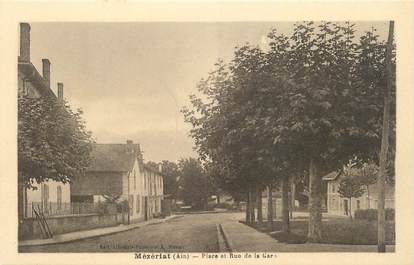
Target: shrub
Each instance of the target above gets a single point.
(101, 208)
(340, 231)
(390, 214)
(122, 206)
(224, 205)
(357, 232)
(372, 214)
(290, 238)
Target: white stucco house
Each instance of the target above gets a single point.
(343, 206)
(50, 196)
(119, 170)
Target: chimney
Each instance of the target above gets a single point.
(24, 42)
(130, 147)
(60, 91)
(46, 71)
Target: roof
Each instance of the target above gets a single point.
(30, 72)
(332, 176)
(114, 157)
(373, 189)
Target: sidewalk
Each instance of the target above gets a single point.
(73, 236)
(243, 238)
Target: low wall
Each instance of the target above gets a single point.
(30, 229)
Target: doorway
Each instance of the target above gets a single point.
(346, 210)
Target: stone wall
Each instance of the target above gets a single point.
(30, 229)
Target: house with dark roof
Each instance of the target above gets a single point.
(118, 170)
(31, 84)
(343, 206)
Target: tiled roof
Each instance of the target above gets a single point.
(114, 157)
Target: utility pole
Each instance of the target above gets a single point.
(384, 142)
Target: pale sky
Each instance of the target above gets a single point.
(132, 79)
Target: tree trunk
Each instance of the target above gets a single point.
(248, 208)
(285, 204)
(350, 208)
(315, 204)
(384, 144)
(259, 206)
(369, 199)
(21, 204)
(292, 197)
(269, 206)
(252, 215)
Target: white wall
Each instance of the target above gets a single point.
(140, 188)
(337, 207)
(35, 195)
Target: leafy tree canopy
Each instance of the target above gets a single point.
(53, 142)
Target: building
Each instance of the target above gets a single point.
(343, 206)
(117, 170)
(50, 195)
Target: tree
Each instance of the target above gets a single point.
(385, 140)
(368, 176)
(53, 143)
(309, 104)
(350, 186)
(195, 186)
(326, 103)
(152, 165)
(171, 175)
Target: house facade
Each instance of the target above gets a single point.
(118, 170)
(343, 206)
(49, 196)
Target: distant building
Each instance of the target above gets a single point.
(118, 170)
(342, 206)
(49, 195)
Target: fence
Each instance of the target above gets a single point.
(68, 208)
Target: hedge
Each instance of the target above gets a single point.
(372, 214)
(340, 231)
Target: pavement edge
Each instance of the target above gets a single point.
(226, 245)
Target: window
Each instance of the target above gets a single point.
(358, 205)
(138, 204)
(145, 180)
(25, 87)
(135, 181)
(59, 197)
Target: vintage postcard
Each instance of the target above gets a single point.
(223, 133)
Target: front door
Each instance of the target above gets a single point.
(346, 207)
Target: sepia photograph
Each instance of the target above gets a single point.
(206, 137)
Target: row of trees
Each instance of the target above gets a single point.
(186, 180)
(305, 106)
